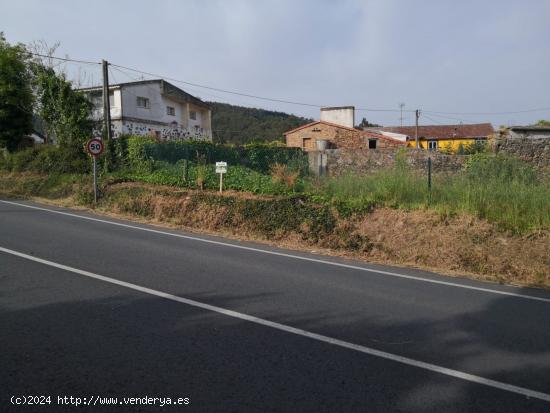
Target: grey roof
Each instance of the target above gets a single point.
(530, 128)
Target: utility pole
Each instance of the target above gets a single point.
(106, 103)
(401, 106)
(417, 112)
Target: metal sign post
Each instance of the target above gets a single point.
(221, 168)
(429, 179)
(95, 148)
(95, 178)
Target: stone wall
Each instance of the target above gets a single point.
(534, 151)
(342, 161)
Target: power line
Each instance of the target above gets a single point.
(434, 113)
(217, 89)
(433, 120)
(490, 113)
(451, 118)
(65, 59)
(245, 94)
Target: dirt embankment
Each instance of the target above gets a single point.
(458, 245)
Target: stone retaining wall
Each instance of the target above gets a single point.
(342, 161)
(534, 151)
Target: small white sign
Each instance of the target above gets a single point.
(221, 167)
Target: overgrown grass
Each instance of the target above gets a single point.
(505, 191)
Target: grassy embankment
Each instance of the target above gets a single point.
(492, 220)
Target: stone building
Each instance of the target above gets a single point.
(529, 132)
(335, 130)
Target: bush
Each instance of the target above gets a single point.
(54, 159)
(281, 174)
(143, 152)
(20, 161)
(48, 159)
(261, 157)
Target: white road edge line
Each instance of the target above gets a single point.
(293, 330)
(282, 254)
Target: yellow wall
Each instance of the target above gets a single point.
(450, 145)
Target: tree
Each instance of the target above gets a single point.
(366, 124)
(66, 112)
(543, 123)
(16, 99)
(241, 125)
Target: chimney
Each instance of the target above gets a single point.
(341, 115)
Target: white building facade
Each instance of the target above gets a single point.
(153, 108)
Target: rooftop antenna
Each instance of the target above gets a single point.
(401, 106)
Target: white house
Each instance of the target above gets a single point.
(153, 107)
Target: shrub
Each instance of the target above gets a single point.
(54, 159)
(48, 159)
(138, 160)
(143, 151)
(280, 174)
(19, 161)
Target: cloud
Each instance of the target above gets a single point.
(466, 56)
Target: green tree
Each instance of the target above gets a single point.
(366, 124)
(543, 123)
(16, 99)
(65, 111)
(242, 125)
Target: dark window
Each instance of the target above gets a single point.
(432, 145)
(193, 115)
(142, 102)
(170, 111)
(372, 143)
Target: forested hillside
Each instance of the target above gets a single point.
(238, 124)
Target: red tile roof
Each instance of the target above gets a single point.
(442, 131)
(359, 131)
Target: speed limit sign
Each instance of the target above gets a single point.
(94, 147)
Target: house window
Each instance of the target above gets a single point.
(170, 111)
(111, 99)
(372, 143)
(142, 102)
(432, 145)
(193, 115)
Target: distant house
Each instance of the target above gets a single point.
(529, 132)
(155, 108)
(440, 137)
(335, 130)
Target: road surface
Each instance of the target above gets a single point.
(94, 307)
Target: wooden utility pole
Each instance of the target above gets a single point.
(106, 103)
(416, 130)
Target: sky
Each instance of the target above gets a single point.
(464, 59)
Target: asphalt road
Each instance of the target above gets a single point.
(108, 308)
